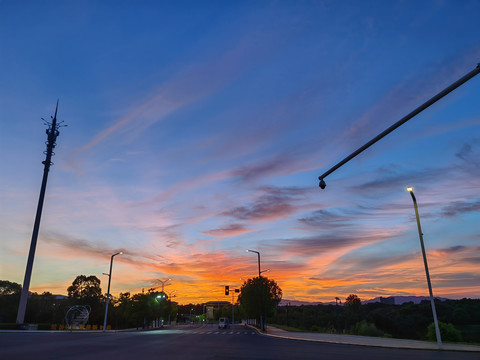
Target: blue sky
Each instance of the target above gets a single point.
(197, 130)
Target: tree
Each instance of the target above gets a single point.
(353, 301)
(353, 306)
(86, 290)
(143, 309)
(259, 297)
(9, 288)
(85, 287)
(9, 298)
(123, 311)
(448, 332)
(43, 308)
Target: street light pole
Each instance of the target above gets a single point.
(108, 291)
(258, 254)
(163, 283)
(259, 277)
(432, 300)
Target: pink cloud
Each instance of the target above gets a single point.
(228, 230)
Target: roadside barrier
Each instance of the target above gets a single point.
(78, 327)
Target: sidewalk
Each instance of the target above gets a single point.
(366, 340)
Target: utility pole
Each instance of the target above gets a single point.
(52, 133)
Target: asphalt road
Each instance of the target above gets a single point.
(197, 343)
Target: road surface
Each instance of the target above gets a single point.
(190, 342)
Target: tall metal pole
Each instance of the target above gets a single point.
(52, 133)
(259, 272)
(400, 122)
(258, 254)
(233, 308)
(108, 291)
(163, 284)
(432, 300)
(259, 277)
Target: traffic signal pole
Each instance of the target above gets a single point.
(400, 122)
(233, 307)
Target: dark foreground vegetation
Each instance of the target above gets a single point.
(141, 310)
(459, 319)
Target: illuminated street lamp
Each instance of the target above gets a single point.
(432, 301)
(108, 291)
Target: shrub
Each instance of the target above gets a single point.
(364, 328)
(44, 326)
(448, 332)
(315, 328)
(10, 326)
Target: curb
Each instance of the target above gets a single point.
(420, 345)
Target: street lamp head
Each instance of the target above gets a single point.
(409, 189)
(322, 184)
(120, 253)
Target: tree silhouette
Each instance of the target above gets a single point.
(85, 287)
(9, 288)
(353, 302)
(259, 296)
(352, 306)
(86, 290)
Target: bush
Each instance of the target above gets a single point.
(364, 328)
(10, 326)
(448, 332)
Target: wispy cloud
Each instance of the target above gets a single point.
(312, 246)
(450, 250)
(228, 230)
(326, 219)
(273, 203)
(169, 234)
(188, 85)
(461, 207)
(399, 101)
(96, 249)
(398, 179)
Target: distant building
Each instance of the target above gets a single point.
(212, 305)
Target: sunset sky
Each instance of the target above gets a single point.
(198, 129)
